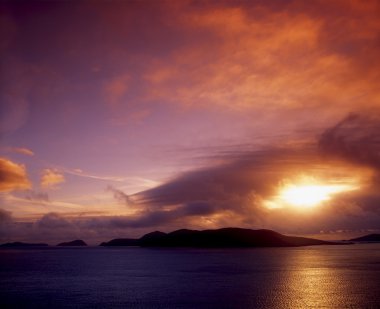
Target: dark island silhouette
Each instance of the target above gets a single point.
(121, 242)
(367, 238)
(74, 243)
(220, 238)
(22, 244)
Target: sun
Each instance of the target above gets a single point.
(306, 196)
(307, 193)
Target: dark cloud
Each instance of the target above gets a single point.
(120, 196)
(53, 221)
(233, 188)
(243, 172)
(5, 222)
(238, 187)
(5, 216)
(55, 227)
(51, 227)
(151, 218)
(197, 208)
(356, 138)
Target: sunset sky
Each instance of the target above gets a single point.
(118, 118)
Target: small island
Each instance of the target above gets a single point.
(74, 243)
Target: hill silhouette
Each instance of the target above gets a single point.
(74, 243)
(120, 242)
(369, 237)
(220, 238)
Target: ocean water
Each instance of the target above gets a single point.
(97, 277)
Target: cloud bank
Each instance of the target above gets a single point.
(234, 192)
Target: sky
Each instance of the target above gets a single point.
(118, 118)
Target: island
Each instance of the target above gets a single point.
(121, 242)
(219, 238)
(367, 238)
(74, 243)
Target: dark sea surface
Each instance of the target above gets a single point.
(96, 277)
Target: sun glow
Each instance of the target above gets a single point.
(307, 194)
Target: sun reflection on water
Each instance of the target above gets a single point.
(315, 282)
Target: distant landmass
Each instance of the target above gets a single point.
(220, 238)
(370, 237)
(121, 242)
(22, 244)
(74, 243)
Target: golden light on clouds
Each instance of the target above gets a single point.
(305, 196)
(51, 178)
(308, 193)
(280, 59)
(13, 176)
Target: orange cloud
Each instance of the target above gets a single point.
(255, 57)
(318, 56)
(13, 176)
(51, 178)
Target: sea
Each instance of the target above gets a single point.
(337, 276)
